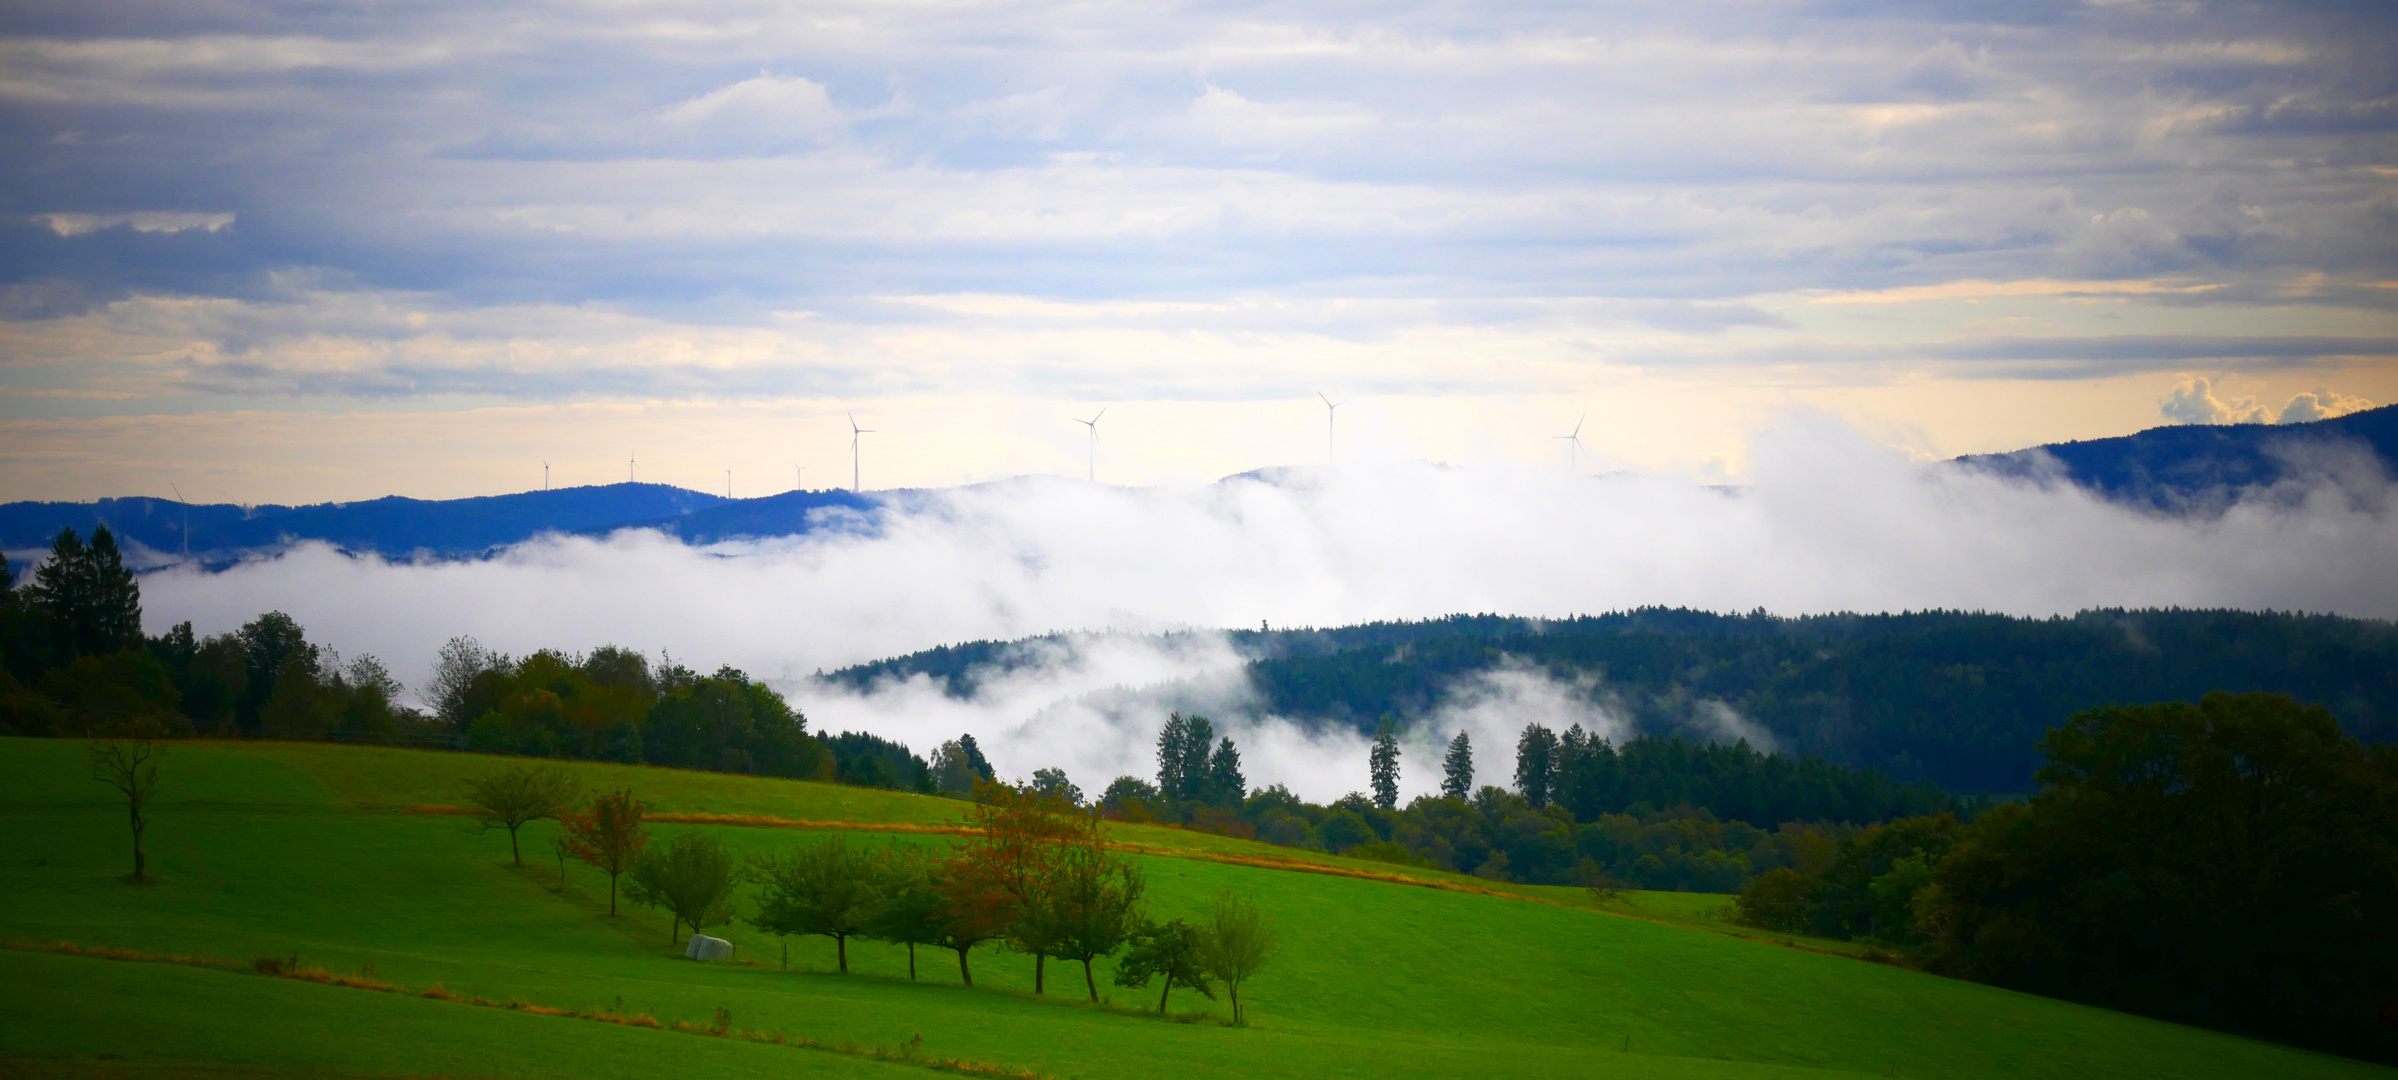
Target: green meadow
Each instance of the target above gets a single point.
(280, 850)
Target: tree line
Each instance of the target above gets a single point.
(1035, 876)
(2231, 862)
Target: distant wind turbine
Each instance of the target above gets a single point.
(728, 483)
(545, 474)
(1093, 424)
(1573, 444)
(1331, 408)
(798, 472)
(854, 432)
(629, 466)
(187, 520)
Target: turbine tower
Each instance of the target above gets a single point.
(728, 483)
(1573, 444)
(629, 464)
(1093, 424)
(854, 432)
(798, 471)
(545, 474)
(187, 521)
(1331, 408)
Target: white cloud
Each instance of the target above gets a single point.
(2321, 405)
(2193, 401)
(149, 221)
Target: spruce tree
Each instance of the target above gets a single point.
(1169, 758)
(62, 592)
(1457, 770)
(1536, 764)
(1225, 784)
(116, 611)
(1384, 763)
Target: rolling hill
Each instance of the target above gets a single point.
(308, 855)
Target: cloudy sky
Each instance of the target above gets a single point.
(294, 251)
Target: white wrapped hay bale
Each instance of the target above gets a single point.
(703, 947)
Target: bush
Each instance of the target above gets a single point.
(1779, 899)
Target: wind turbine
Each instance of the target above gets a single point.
(545, 474)
(1331, 408)
(728, 483)
(629, 463)
(1093, 424)
(1573, 444)
(187, 520)
(854, 432)
(797, 473)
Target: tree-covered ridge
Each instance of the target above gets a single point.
(1952, 697)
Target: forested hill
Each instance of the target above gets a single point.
(2206, 466)
(397, 527)
(1955, 698)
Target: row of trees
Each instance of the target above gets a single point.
(1037, 877)
(2232, 862)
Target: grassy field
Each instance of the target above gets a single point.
(273, 850)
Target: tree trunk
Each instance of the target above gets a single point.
(841, 951)
(786, 950)
(963, 971)
(513, 851)
(141, 864)
(1161, 995)
(911, 961)
(1088, 981)
(1040, 962)
(674, 929)
(1233, 990)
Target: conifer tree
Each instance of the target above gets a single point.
(1384, 764)
(1225, 784)
(1457, 770)
(1536, 764)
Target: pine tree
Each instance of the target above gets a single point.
(1384, 763)
(62, 591)
(1536, 764)
(1457, 770)
(116, 613)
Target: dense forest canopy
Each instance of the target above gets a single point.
(1955, 698)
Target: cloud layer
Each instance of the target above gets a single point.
(409, 207)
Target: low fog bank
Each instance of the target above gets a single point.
(1832, 523)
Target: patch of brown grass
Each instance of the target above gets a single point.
(109, 952)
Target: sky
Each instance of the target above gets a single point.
(285, 252)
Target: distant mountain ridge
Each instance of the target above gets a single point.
(2185, 467)
(2188, 468)
(391, 526)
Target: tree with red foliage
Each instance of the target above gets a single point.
(607, 835)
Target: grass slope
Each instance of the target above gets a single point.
(265, 850)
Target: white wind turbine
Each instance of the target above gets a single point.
(854, 432)
(1331, 408)
(1093, 424)
(1573, 444)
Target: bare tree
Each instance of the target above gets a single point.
(130, 766)
(454, 670)
(517, 794)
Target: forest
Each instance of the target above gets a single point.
(1956, 698)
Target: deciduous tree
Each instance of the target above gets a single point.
(131, 767)
(1236, 942)
(1170, 950)
(608, 835)
(691, 877)
(822, 887)
(1094, 900)
(516, 794)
